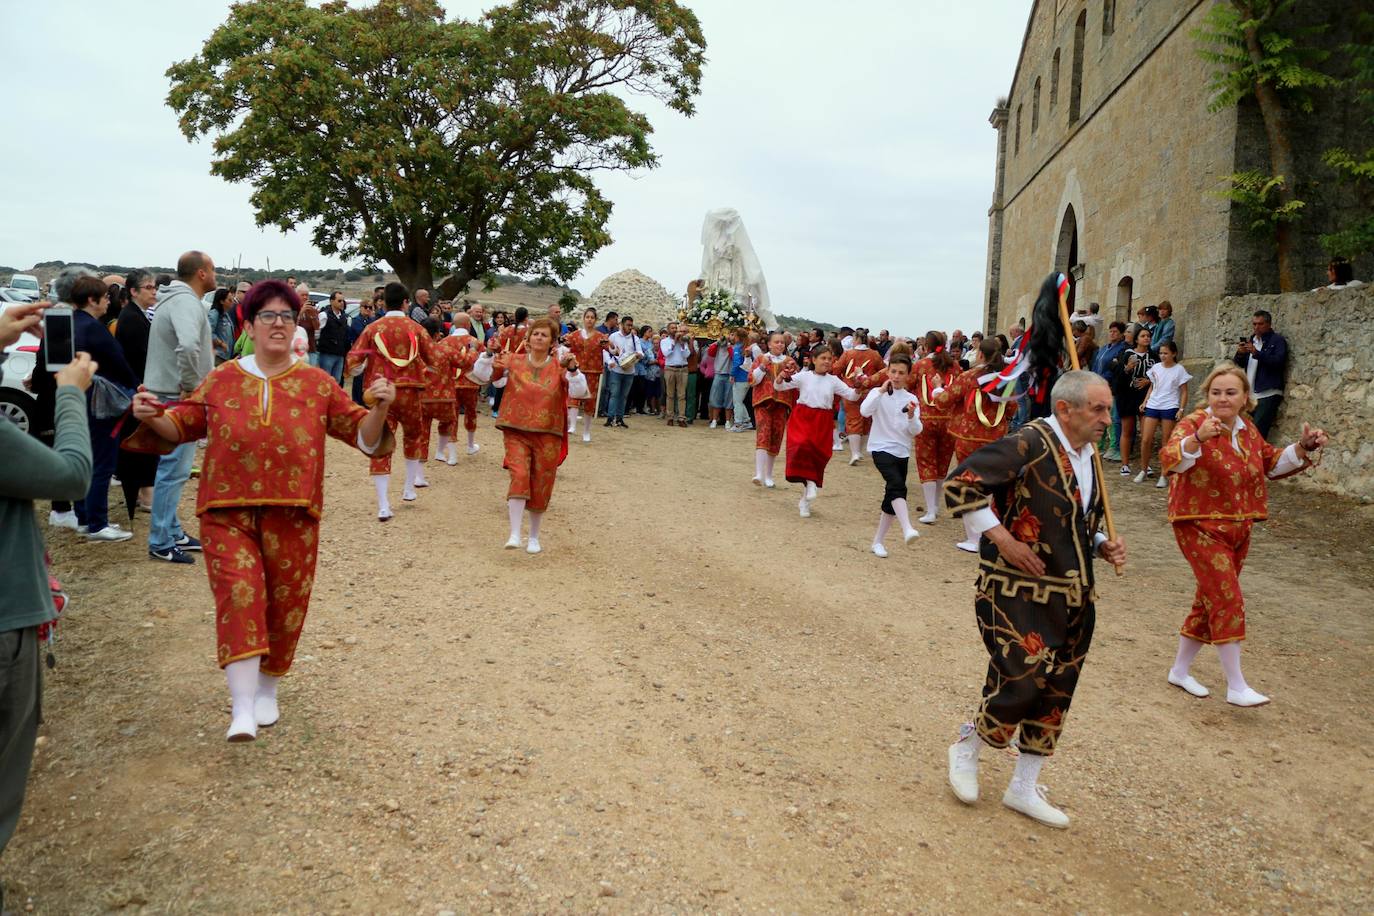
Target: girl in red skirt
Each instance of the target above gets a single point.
(812, 423)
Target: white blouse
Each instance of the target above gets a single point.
(817, 391)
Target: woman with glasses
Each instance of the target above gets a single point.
(261, 494)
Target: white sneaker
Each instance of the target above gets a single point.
(474, 448)
(62, 520)
(758, 481)
(513, 543)
(1247, 697)
(587, 436)
(421, 483)
(265, 711)
(768, 483)
(855, 460)
(1189, 683)
(927, 519)
(1140, 478)
(909, 536)
(963, 769)
(804, 507)
(837, 447)
(1162, 483)
(533, 546)
(110, 533)
(384, 515)
(713, 425)
(1036, 807)
(879, 550)
(243, 728)
(409, 495)
(451, 459)
(968, 546)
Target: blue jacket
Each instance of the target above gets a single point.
(1103, 359)
(737, 373)
(1272, 358)
(355, 328)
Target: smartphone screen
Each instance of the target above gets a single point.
(57, 338)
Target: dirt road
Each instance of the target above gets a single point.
(692, 700)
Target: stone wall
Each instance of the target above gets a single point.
(1330, 336)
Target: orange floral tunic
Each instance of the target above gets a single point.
(469, 350)
(535, 398)
(925, 380)
(393, 347)
(1225, 483)
(258, 455)
(765, 390)
(974, 417)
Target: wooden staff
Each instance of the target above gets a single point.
(1097, 458)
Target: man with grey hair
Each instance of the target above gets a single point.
(1033, 500)
(180, 355)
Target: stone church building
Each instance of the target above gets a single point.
(1108, 160)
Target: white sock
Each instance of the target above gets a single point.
(760, 459)
(412, 474)
(855, 443)
(1187, 651)
(472, 438)
(835, 444)
(903, 514)
(536, 519)
(242, 677)
(265, 710)
(1229, 653)
(884, 523)
(810, 490)
(587, 428)
(572, 419)
(442, 452)
(970, 536)
(931, 492)
(381, 482)
(863, 444)
(768, 466)
(516, 509)
(1027, 774)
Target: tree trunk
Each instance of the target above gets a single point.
(412, 270)
(1280, 161)
(453, 286)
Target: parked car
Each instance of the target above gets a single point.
(26, 285)
(16, 402)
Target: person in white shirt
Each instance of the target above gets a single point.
(896, 417)
(619, 378)
(812, 422)
(1166, 401)
(677, 347)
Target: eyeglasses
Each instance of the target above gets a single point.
(148, 286)
(277, 317)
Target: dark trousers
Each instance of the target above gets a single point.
(21, 691)
(94, 510)
(358, 389)
(894, 471)
(1266, 412)
(496, 394)
(703, 404)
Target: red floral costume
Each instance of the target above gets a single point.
(465, 389)
(1213, 505)
(935, 443)
(438, 401)
(588, 351)
(534, 423)
(396, 348)
(974, 418)
(261, 496)
(849, 367)
(771, 407)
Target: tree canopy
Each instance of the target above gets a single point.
(461, 147)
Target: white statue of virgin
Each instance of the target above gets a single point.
(728, 262)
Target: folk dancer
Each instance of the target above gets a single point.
(265, 417)
(452, 358)
(771, 408)
(537, 383)
(935, 445)
(974, 418)
(1034, 495)
(858, 361)
(589, 346)
(1219, 466)
(465, 389)
(812, 421)
(895, 421)
(396, 348)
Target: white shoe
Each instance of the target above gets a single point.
(713, 425)
(474, 448)
(587, 436)
(62, 520)
(242, 729)
(758, 481)
(879, 550)
(768, 482)
(384, 515)
(909, 536)
(1036, 807)
(963, 769)
(927, 519)
(82, 529)
(1247, 697)
(811, 490)
(804, 507)
(265, 711)
(109, 533)
(968, 546)
(533, 546)
(409, 496)
(572, 429)
(513, 543)
(1140, 478)
(1190, 684)
(1162, 483)
(855, 460)
(838, 447)
(451, 459)
(421, 483)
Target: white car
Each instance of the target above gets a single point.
(16, 402)
(26, 285)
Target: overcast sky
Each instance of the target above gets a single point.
(853, 139)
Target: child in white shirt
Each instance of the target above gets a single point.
(811, 423)
(896, 421)
(1166, 400)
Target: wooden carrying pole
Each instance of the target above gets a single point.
(1101, 481)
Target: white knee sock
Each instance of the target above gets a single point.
(442, 451)
(760, 459)
(1229, 653)
(863, 444)
(884, 523)
(768, 466)
(587, 428)
(855, 443)
(381, 482)
(516, 509)
(811, 490)
(1187, 651)
(536, 519)
(265, 709)
(242, 677)
(572, 419)
(903, 514)
(1027, 774)
(931, 492)
(412, 474)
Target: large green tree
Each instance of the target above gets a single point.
(439, 146)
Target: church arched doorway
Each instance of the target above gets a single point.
(1066, 250)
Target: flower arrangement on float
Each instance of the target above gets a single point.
(715, 313)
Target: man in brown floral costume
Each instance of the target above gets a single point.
(1032, 497)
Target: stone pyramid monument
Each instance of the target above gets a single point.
(630, 292)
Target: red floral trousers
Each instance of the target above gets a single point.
(1216, 550)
